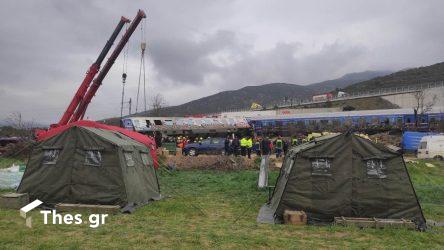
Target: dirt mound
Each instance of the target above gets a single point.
(210, 162)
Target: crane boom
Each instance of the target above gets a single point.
(93, 69)
(80, 112)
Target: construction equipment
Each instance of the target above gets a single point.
(77, 108)
(83, 105)
(78, 105)
(90, 74)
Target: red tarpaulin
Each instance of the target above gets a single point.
(147, 141)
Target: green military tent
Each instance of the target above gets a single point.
(86, 165)
(343, 175)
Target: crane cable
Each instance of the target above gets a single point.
(142, 67)
(124, 74)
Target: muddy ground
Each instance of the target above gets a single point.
(215, 162)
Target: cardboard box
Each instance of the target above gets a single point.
(295, 217)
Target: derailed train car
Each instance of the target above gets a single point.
(175, 126)
(366, 120)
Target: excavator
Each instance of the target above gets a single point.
(73, 116)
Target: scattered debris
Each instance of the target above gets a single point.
(387, 139)
(374, 222)
(410, 160)
(19, 149)
(393, 147)
(429, 165)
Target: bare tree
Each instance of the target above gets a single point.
(424, 101)
(423, 104)
(157, 103)
(15, 120)
(23, 128)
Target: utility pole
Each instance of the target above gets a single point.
(129, 108)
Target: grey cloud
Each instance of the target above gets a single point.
(188, 62)
(282, 64)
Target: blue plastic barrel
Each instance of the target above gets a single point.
(411, 139)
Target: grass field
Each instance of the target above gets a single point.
(218, 209)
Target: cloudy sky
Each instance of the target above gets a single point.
(198, 48)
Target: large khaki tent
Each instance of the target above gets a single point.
(343, 175)
(91, 166)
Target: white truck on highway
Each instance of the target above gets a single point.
(431, 146)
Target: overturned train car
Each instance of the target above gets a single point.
(175, 126)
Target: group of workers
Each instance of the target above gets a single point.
(246, 145)
(259, 145)
(236, 146)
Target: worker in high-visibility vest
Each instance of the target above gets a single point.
(249, 146)
(279, 146)
(243, 145)
(294, 141)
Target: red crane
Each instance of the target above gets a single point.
(83, 105)
(90, 74)
(77, 108)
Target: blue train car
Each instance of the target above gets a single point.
(402, 119)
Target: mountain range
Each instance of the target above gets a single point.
(271, 93)
(405, 77)
(266, 95)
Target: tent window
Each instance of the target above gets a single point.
(321, 166)
(129, 159)
(376, 169)
(145, 159)
(50, 156)
(93, 158)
